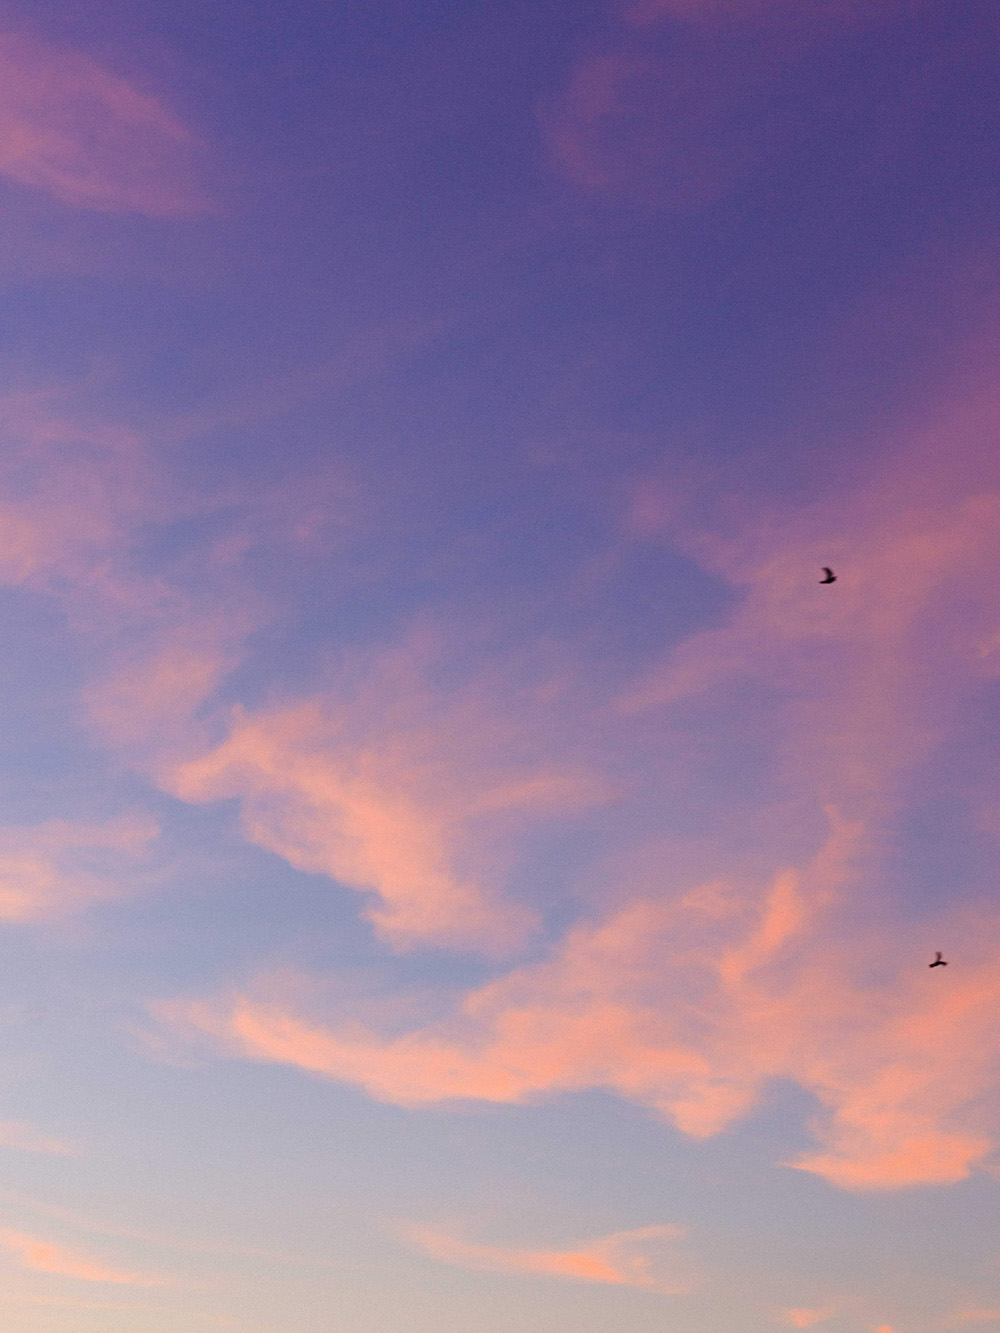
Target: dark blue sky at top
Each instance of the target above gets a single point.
(398, 277)
(381, 175)
(384, 164)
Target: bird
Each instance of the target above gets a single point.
(830, 575)
(938, 961)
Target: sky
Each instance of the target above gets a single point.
(460, 870)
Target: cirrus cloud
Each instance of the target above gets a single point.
(72, 128)
(793, 962)
(14, 1134)
(897, 1069)
(398, 790)
(43, 1256)
(804, 1317)
(622, 1259)
(59, 866)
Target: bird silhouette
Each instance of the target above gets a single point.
(938, 961)
(830, 575)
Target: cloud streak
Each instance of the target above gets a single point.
(619, 1259)
(25, 1138)
(897, 1069)
(804, 1317)
(81, 502)
(42, 1256)
(692, 997)
(388, 787)
(677, 128)
(88, 137)
(59, 866)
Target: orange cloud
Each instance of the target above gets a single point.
(44, 1257)
(148, 696)
(688, 997)
(801, 1317)
(693, 1014)
(76, 497)
(882, 667)
(617, 1260)
(70, 127)
(59, 866)
(68, 489)
(393, 791)
(382, 783)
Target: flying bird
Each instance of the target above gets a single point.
(938, 961)
(830, 575)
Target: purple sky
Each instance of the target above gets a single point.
(459, 870)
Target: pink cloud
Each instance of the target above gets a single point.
(972, 1314)
(68, 489)
(628, 127)
(148, 694)
(883, 667)
(412, 795)
(358, 817)
(383, 782)
(78, 499)
(678, 130)
(24, 1138)
(59, 866)
(788, 962)
(801, 1317)
(616, 1260)
(388, 787)
(70, 127)
(899, 1067)
(44, 1257)
(395, 788)
(204, 1248)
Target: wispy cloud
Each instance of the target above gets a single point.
(14, 1134)
(972, 1314)
(782, 965)
(803, 1317)
(390, 787)
(60, 865)
(624, 1258)
(81, 500)
(89, 137)
(631, 129)
(679, 127)
(206, 1248)
(69, 488)
(44, 1257)
(749, 996)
